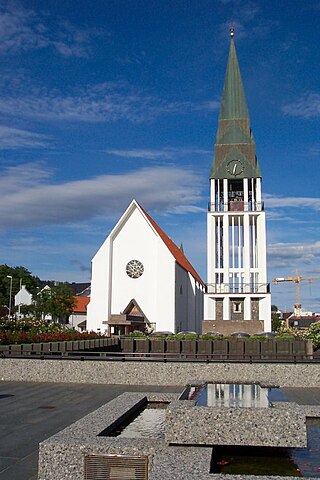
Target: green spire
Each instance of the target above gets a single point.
(233, 103)
(234, 139)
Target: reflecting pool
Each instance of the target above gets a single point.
(230, 395)
(148, 422)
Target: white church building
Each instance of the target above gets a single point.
(142, 281)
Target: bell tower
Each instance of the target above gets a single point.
(238, 296)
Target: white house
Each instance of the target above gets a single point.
(78, 317)
(142, 280)
(23, 297)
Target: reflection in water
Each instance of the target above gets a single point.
(288, 462)
(149, 424)
(308, 459)
(232, 395)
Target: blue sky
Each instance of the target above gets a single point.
(109, 100)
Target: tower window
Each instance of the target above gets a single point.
(236, 307)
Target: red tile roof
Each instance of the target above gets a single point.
(80, 305)
(173, 248)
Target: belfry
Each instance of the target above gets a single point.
(238, 296)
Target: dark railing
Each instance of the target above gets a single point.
(162, 349)
(170, 357)
(61, 348)
(222, 288)
(236, 206)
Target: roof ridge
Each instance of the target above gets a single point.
(181, 259)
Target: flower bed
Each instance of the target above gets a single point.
(36, 331)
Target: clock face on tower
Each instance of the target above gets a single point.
(235, 168)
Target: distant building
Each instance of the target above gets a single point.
(302, 321)
(23, 297)
(78, 317)
(141, 280)
(80, 289)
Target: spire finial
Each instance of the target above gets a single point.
(232, 31)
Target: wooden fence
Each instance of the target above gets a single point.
(233, 349)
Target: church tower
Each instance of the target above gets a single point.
(238, 297)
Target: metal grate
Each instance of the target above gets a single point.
(115, 467)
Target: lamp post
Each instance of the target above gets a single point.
(10, 295)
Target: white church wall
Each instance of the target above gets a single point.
(97, 310)
(154, 290)
(181, 293)
(189, 302)
(165, 298)
(192, 305)
(135, 241)
(199, 298)
(135, 238)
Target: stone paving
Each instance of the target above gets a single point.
(31, 412)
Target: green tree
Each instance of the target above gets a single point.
(276, 322)
(56, 301)
(20, 276)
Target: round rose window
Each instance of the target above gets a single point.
(134, 269)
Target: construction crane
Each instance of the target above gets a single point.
(297, 280)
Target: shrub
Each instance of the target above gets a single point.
(36, 331)
(313, 333)
(137, 333)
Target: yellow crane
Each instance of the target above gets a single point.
(297, 280)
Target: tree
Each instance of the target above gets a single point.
(20, 275)
(276, 322)
(56, 301)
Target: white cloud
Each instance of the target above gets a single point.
(23, 29)
(273, 201)
(141, 153)
(293, 254)
(28, 199)
(315, 150)
(307, 106)
(106, 102)
(164, 153)
(17, 178)
(11, 138)
(246, 20)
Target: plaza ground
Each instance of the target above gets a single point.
(31, 412)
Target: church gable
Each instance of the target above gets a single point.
(133, 211)
(134, 276)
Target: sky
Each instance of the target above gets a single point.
(109, 100)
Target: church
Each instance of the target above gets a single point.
(142, 281)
